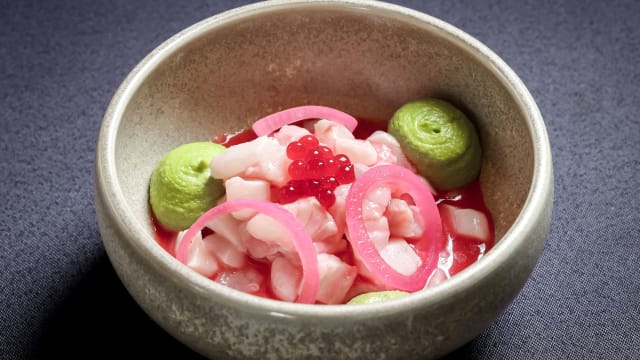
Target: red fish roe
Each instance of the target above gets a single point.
(322, 152)
(326, 197)
(341, 159)
(298, 170)
(345, 174)
(310, 142)
(315, 171)
(296, 151)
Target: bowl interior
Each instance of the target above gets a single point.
(222, 78)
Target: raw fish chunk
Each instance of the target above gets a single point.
(271, 232)
(285, 279)
(317, 222)
(199, 258)
(337, 210)
(376, 201)
(231, 229)
(400, 256)
(336, 278)
(404, 219)
(263, 158)
(225, 251)
(378, 229)
(290, 133)
(373, 208)
(328, 131)
(239, 188)
(388, 150)
(262, 250)
(246, 279)
(467, 222)
(359, 151)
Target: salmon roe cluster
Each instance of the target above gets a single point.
(315, 171)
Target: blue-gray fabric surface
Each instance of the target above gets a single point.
(61, 61)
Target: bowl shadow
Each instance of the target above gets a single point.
(100, 319)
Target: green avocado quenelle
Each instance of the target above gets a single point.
(181, 187)
(377, 296)
(439, 140)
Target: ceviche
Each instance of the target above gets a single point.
(312, 205)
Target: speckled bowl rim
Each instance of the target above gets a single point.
(141, 241)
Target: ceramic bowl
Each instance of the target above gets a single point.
(363, 57)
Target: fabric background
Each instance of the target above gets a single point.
(61, 61)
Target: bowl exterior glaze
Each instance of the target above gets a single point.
(363, 57)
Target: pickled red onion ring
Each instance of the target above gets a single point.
(425, 246)
(275, 121)
(302, 242)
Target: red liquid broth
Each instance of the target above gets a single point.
(466, 250)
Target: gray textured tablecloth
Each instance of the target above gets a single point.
(61, 61)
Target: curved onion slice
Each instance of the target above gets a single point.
(425, 246)
(302, 241)
(275, 121)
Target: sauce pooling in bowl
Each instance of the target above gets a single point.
(455, 249)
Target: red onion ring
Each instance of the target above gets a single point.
(302, 241)
(275, 121)
(425, 246)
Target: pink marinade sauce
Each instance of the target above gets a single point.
(466, 250)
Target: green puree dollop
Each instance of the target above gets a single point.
(181, 187)
(377, 296)
(439, 140)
